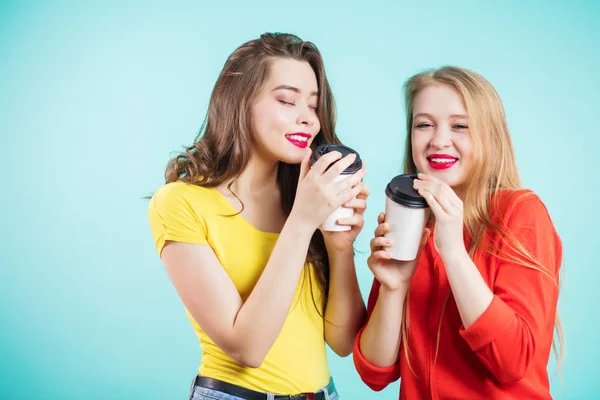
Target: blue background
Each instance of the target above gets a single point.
(95, 96)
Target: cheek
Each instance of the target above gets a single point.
(418, 152)
(259, 118)
(266, 120)
(280, 118)
(317, 127)
(466, 150)
(418, 146)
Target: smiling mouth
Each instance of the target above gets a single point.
(298, 139)
(441, 161)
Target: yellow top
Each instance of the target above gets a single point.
(297, 361)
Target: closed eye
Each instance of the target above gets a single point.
(286, 103)
(424, 125)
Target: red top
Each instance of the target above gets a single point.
(504, 354)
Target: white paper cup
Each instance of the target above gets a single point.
(407, 213)
(330, 224)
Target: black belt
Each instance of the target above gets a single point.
(248, 394)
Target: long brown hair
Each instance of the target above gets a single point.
(495, 170)
(223, 147)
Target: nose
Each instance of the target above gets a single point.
(441, 138)
(306, 117)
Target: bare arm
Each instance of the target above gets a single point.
(247, 330)
(380, 341)
(244, 330)
(381, 338)
(345, 311)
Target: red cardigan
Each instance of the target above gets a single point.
(504, 354)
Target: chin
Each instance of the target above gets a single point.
(291, 157)
(447, 176)
(453, 182)
(291, 160)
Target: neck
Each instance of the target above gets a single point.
(258, 179)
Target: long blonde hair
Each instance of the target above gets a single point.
(495, 170)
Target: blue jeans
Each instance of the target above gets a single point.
(201, 393)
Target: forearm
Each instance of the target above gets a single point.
(471, 293)
(263, 314)
(381, 339)
(345, 312)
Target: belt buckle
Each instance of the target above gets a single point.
(308, 396)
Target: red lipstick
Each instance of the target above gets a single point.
(441, 161)
(299, 139)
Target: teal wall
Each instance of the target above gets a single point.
(95, 95)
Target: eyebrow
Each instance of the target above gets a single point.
(427, 115)
(293, 89)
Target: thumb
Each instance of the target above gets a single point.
(305, 164)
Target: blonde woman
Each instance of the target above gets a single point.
(473, 316)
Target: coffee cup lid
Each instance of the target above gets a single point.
(344, 150)
(400, 190)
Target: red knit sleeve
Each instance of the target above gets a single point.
(519, 322)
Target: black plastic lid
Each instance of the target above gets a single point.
(345, 150)
(400, 189)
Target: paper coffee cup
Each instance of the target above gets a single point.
(407, 212)
(330, 224)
